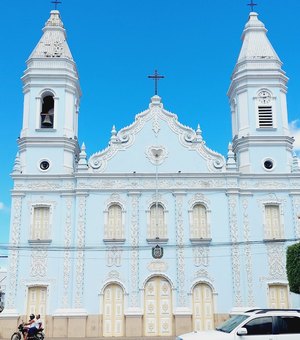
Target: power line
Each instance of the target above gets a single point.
(86, 248)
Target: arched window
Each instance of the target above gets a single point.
(157, 227)
(47, 113)
(114, 226)
(273, 227)
(199, 228)
(40, 228)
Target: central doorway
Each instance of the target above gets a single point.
(158, 307)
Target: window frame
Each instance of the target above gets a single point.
(50, 112)
(192, 228)
(265, 117)
(278, 324)
(161, 230)
(32, 232)
(270, 235)
(114, 238)
(264, 99)
(256, 319)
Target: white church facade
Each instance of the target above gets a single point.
(157, 234)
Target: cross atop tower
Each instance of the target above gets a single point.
(156, 78)
(252, 4)
(55, 2)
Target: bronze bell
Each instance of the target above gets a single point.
(47, 120)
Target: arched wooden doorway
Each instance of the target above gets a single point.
(158, 307)
(113, 311)
(203, 307)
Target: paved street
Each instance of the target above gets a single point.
(116, 338)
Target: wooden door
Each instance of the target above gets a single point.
(278, 296)
(113, 311)
(37, 301)
(158, 308)
(203, 311)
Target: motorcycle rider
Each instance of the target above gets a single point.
(35, 327)
(39, 322)
(28, 325)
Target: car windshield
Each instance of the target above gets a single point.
(231, 323)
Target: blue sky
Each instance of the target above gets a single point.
(116, 44)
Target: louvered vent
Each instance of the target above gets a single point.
(265, 116)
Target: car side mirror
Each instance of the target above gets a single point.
(242, 331)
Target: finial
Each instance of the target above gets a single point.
(17, 164)
(198, 134)
(113, 137)
(113, 130)
(156, 78)
(231, 162)
(252, 4)
(82, 163)
(55, 2)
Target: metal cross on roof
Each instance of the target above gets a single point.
(156, 78)
(55, 2)
(252, 4)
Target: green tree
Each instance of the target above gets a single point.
(293, 267)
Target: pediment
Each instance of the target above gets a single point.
(156, 138)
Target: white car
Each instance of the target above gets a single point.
(254, 324)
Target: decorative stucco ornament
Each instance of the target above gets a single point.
(156, 154)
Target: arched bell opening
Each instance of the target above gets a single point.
(47, 113)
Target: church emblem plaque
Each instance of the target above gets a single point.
(157, 252)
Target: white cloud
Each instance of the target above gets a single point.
(295, 132)
(4, 208)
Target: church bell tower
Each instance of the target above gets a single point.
(257, 94)
(48, 139)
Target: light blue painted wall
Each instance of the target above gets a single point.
(240, 264)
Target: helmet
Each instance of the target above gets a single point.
(32, 316)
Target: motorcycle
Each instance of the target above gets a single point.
(39, 335)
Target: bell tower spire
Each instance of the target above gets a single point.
(257, 94)
(51, 103)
